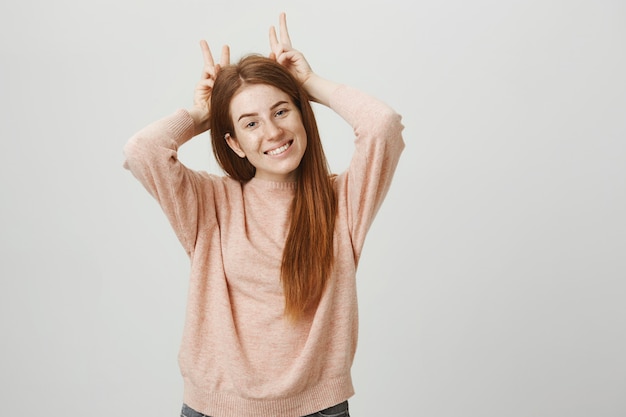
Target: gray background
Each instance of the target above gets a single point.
(492, 283)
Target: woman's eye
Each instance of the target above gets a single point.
(251, 124)
(281, 112)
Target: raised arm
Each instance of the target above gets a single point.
(151, 155)
(320, 89)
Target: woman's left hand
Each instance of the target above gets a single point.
(282, 51)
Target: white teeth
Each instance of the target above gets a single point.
(279, 150)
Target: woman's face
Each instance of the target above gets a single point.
(268, 131)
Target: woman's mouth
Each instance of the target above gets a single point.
(279, 150)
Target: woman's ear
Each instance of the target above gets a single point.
(233, 143)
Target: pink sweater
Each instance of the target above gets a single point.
(239, 356)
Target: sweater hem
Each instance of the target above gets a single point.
(222, 404)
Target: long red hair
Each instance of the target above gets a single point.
(307, 264)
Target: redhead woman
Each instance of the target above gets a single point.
(274, 243)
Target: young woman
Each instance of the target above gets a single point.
(271, 323)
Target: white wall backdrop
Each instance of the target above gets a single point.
(493, 282)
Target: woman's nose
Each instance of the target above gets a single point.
(272, 130)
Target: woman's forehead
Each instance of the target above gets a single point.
(255, 98)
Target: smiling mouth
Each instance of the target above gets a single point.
(278, 151)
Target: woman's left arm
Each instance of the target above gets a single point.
(378, 145)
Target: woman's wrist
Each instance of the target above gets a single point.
(320, 89)
(200, 119)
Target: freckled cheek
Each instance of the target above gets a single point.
(249, 142)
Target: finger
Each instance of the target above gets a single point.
(287, 58)
(225, 59)
(283, 58)
(209, 71)
(205, 84)
(274, 45)
(206, 53)
(284, 33)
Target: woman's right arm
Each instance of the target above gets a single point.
(152, 156)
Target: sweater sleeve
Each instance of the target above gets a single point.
(151, 155)
(378, 145)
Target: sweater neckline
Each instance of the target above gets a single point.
(272, 185)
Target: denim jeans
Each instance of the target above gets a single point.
(339, 410)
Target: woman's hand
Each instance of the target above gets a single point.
(285, 55)
(318, 88)
(202, 94)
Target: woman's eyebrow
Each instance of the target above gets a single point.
(277, 104)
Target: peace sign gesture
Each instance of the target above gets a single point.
(285, 55)
(202, 95)
(209, 72)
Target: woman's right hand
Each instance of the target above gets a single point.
(202, 94)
